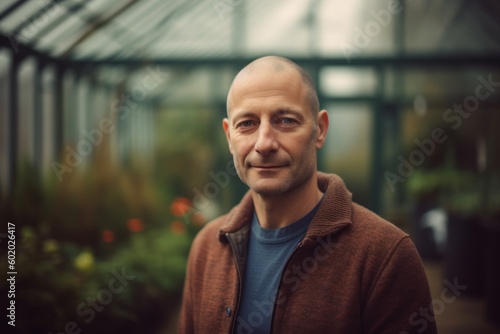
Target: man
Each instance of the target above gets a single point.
(296, 255)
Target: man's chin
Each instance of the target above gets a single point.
(269, 187)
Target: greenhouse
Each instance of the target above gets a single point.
(113, 154)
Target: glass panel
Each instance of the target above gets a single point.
(59, 38)
(276, 26)
(347, 151)
(68, 83)
(5, 4)
(336, 81)
(23, 13)
(100, 6)
(26, 109)
(187, 88)
(443, 83)
(208, 35)
(48, 117)
(99, 45)
(5, 62)
(335, 24)
(115, 37)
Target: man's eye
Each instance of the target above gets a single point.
(245, 124)
(287, 121)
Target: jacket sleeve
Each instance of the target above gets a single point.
(399, 300)
(185, 324)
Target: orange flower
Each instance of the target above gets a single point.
(108, 236)
(135, 225)
(178, 227)
(180, 206)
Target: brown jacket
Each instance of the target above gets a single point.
(352, 273)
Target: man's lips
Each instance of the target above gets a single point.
(267, 167)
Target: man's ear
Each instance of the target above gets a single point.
(226, 126)
(322, 128)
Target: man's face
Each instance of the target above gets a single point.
(272, 132)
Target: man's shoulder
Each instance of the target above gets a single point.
(371, 222)
(371, 229)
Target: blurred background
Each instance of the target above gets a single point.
(112, 154)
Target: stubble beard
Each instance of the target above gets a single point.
(272, 186)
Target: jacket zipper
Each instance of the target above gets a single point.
(279, 285)
(240, 279)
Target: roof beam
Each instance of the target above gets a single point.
(36, 16)
(56, 22)
(21, 50)
(98, 24)
(441, 60)
(11, 8)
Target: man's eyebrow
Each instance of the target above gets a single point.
(288, 111)
(243, 114)
(278, 112)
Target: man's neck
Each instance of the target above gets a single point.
(275, 211)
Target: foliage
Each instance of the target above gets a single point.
(155, 263)
(104, 218)
(74, 236)
(460, 174)
(460, 192)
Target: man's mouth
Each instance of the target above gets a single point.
(266, 167)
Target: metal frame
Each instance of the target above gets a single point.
(314, 65)
(398, 63)
(12, 8)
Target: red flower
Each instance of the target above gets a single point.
(108, 236)
(178, 227)
(180, 206)
(135, 225)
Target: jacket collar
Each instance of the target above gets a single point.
(334, 214)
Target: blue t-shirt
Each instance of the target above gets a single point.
(268, 252)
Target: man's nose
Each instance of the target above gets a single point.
(266, 140)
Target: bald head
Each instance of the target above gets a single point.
(275, 64)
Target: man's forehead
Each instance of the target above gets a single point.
(264, 83)
(264, 72)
